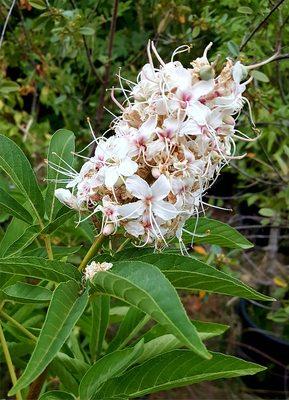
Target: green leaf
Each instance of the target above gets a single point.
(107, 367)
(7, 86)
(65, 308)
(133, 320)
(57, 395)
(260, 76)
(38, 4)
(69, 370)
(28, 236)
(206, 330)
(61, 147)
(142, 285)
(233, 48)
(58, 251)
(14, 163)
(12, 207)
(191, 274)
(86, 30)
(215, 232)
(15, 229)
(59, 221)
(25, 293)
(196, 31)
(100, 319)
(40, 268)
(245, 10)
(157, 342)
(175, 369)
(267, 212)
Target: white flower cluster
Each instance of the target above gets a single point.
(175, 133)
(94, 267)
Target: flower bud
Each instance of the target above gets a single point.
(156, 172)
(206, 73)
(229, 120)
(108, 229)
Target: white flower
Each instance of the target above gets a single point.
(95, 267)
(150, 198)
(141, 136)
(118, 163)
(67, 198)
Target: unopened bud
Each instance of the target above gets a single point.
(108, 229)
(206, 73)
(229, 120)
(156, 172)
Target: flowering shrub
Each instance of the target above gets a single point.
(176, 131)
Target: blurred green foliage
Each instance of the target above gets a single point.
(54, 58)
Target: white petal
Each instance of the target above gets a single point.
(171, 124)
(237, 72)
(66, 197)
(164, 210)
(121, 147)
(134, 228)
(137, 187)
(154, 147)
(198, 112)
(202, 88)
(190, 127)
(148, 127)
(131, 210)
(127, 167)
(160, 188)
(111, 176)
(215, 118)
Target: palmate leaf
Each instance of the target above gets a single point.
(107, 367)
(188, 273)
(65, 308)
(175, 369)
(143, 285)
(61, 147)
(14, 163)
(40, 268)
(22, 292)
(215, 232)
(13, 207)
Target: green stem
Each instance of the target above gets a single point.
(92, 251)
(9, 361)
(18, 325)
(121, 247)
(48, 246)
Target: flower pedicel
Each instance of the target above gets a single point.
(175, 133)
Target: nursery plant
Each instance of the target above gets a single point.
(90, 303)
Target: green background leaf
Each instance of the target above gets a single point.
(64, 311)
(145, 287)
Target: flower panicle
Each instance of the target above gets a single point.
(176, 131)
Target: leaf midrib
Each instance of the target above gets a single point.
(158, 307)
